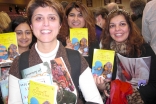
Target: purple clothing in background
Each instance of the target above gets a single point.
(98, 32)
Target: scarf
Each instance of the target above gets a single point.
(119, 47)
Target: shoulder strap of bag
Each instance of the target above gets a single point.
(75, 63)
(23, 60)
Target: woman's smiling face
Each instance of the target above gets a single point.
(119, 29)
(76, 19)
(45, 24)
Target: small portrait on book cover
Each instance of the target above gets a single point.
(3, 52)
(107, 70)
(76, 43)
(97, 68)
(83, 47)
(133, 70)
(12, 52)
(4, 73)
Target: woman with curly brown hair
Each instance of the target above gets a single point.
(79, 16)
(123, 36)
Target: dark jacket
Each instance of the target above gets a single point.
(147, 92)
(35, 59)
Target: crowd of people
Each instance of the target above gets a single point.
(45, 33)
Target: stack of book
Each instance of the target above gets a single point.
(44, 83)
(8, 52)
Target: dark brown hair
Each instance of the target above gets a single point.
(34, 4)
(88, 17)
(134, 41)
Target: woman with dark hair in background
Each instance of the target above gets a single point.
(79, 16)
(100, 15)
(24, 33)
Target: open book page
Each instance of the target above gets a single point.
(24, 85)
(8, 48)
(133, 70)
(103, 61)
(14, 91)
(79, 39)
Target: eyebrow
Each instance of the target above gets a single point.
(42, 15)
(74, 13)
(21, 30)
(119, 22)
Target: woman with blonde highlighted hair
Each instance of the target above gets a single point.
(4, 22)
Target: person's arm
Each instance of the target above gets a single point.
(89, 88)
(145, 25)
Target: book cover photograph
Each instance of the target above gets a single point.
(41, 69)
(66, 92)
(133, 70)
(79, 39)
(4, 73)
(103, 61)
(8, 48)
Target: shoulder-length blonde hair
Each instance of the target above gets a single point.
(4, 21)
(135, 39)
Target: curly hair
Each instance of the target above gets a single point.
(88, 17)
(134, 41)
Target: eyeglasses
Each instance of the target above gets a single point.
(118, 10)
(20, 32)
